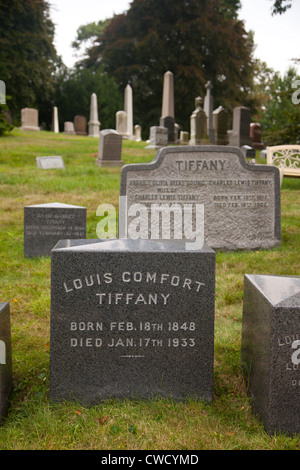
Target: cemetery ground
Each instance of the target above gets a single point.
(33, 421)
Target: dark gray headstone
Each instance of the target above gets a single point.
(6, 381)
(169, 123)
(110, 148)
(46, 224)
(48, 163)
(241, 127)
(131, 318)
(271, 350)
(241, 201)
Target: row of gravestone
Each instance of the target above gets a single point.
(134, 316)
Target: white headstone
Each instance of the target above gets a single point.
(55, 124)
(94, 124)
(128, 108)
(168, 109)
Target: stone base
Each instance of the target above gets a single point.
(30, 128)
(94, 129)
(109, 163)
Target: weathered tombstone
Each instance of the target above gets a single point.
(241, 127)
(94, 124)
(110, 148)
(130, 319)
(55, 123)
(270, 350)
(46, 224)
(48, 163)
(198, 135)
(128, 108)
(80, 125)
(184, 138)
(220, 124)
(167, 118)
(69, 128)
(158, 137)
(241, 201)
(29, 119)
(121, 123)
(255, 134)
(137, 133)
(6, 380)
(208, 109)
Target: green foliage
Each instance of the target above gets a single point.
(280, 6)
(198, 40)
(73, 95)
(5, 125)
(281, 119)
(27, 55)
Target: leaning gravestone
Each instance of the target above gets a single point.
(6, 381)
(46, 224)
(241, 201)
(48, 163)
(29, 119)
(110, 148)
(271, 350)
(131, 319)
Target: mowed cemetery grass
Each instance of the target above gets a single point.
(158, 424)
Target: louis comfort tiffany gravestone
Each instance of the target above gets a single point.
(241, 201)
(131, 319)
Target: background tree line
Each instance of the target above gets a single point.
(198, 40)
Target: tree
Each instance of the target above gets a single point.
(280, 6)
(27, 55)
(281, 120)
(198, 40)
(73, 93)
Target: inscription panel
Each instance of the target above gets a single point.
(241, 201)
(127, 324)
(46, 224)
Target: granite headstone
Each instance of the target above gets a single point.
(241, 201)
(198, 124)
(110, 148)
(69, 128)
(131, 319)
(29, 119)
(241, 127)
(46, 224)
(270, 350)
(80, 125)
(158, 137)
(6, 379)
(220, 124)
(255, 134)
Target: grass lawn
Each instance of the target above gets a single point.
(35, 423)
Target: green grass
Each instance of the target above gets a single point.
(36, 423)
